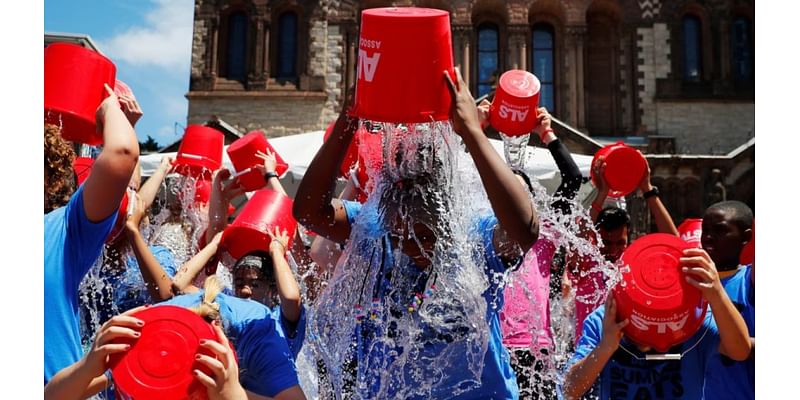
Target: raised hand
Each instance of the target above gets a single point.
(224, 382)
(644, 184)
(227, 188)
(270, 162)
(139, 210)
(131, 108)
(599, 170)
(483, 113)
(701, 272)
(110, 102)
(544, 125)
(464, 113)
(121, 326)
(612, 329)
(280, 241)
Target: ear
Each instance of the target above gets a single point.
(747, 234)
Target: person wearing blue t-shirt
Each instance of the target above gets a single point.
(725, 231)
(74, 230)
(616, 366)
(265, 361)
(499, 237)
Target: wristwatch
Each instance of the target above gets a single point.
(270, 174)
(652, 192)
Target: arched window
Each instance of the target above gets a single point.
(287, 46)
(488, 57)
(692, 45)
(742, 54)
(236, 65)
(543, 57)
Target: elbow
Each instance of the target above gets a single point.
(531, 234)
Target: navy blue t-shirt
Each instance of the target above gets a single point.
(633, 378)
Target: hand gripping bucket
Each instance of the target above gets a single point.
(625, 167)
(242, 153)
(262, 213)
(663, 309)
(73, 89)
(200, 152)
(691, 231)
(402, 55)
(513, 110)
(159, 364)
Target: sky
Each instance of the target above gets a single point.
(150, 43)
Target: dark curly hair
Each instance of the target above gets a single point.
(59, 178)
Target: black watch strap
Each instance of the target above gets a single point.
(652, 192)
(270, 174)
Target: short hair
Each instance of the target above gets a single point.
(59, 175)
(736, 211)
(612, 218)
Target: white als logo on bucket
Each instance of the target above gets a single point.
(692, 236)
(516, 113)
(643, 323)
(368, 64)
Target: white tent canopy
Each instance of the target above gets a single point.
(298, 151)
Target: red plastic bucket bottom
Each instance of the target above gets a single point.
(265, 210)
(663, 309)
(513, 110)
(625, 168)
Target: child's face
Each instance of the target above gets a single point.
(614, 243)
(409, 239)
(248, 284)
(722, 239)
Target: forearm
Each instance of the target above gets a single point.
(312, 206)
(185, 276)
(217, 216)
(275, 184)
(660, 214)
(156, 279)
(597, 204)
(584, 373)
(150, 188)
(570, 175)
(72, 382)
(288, 290)
(508, 198)
(734, 339)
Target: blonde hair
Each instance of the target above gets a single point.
(208, 308)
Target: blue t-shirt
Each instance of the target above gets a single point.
(497, 380)
(71, 245)
(726, 378)
(130, 290)
(626, 377)
(294, 334)
(265, 361)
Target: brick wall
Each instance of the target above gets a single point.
(706, 127)
(200, 40)
(278, 116)
(653, 63)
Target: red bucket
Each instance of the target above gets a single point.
(513, 109)
(748, 254)
(262, 213)
(160, 363)
(73, 89)
(242, 153)
(691, 231)
(401, 56)
(125, 207)
(663, 309)
(625, 167)
(82, 167)
(200, 152)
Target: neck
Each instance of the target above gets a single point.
(728, 272)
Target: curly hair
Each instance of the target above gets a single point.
(59, 178)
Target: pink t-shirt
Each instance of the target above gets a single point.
(527, 300)
(590, 293)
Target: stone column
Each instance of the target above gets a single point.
(256, 79)
(350, 72)
(517, 37)
(461, 38)
(214, 50)
(576, 36)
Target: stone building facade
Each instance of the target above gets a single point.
(677, 74)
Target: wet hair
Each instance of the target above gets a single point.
(613, 218)
(60, 180)
(418, 196)
(524, 177)
(258, 260)
(736, 211)
(208, 307)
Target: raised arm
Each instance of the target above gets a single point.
(223, 190)
(570, 173)
(325, 252)
(510, 202)
(158, 283)
(701, 272)
(314, 206)
(288, 290)
(149, 189)
(660, 214)
(182, 281)
(111, 172)
(269, 166)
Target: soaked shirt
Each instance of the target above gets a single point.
(627, 377)
(71, 245)
(293, 333)
(266, 366)
(726, 378)
(443, 344)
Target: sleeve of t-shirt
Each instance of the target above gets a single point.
(84, 239)
(351, 208)
(265, 363)
(590, 336)
(486, 230)
(295, 332)
(165, 258)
